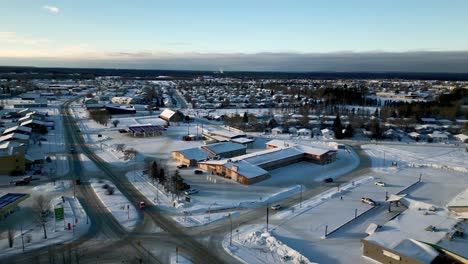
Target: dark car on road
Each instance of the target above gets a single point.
(198, 171)
(328, 180)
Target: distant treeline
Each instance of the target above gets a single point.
(87, 73)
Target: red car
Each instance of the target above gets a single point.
(141, 205)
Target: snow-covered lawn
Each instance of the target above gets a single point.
(120, 207)
(203, 201)
(252, 244)
(57, 232)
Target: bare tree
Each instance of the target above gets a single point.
(41, 208)
(79, 254)
(11, 237)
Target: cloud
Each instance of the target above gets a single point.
(375, 61)
(13, 38)
(52, 9)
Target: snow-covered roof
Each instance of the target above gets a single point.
(225, 134)
(17, 128)
(33, 121)
(312, 150)
(304, 130)
(461, 137)
(167, 113)
(219, 148)
(247, 169)
(417, 250)
(197, 154)
(414, 134)
(438, 134)
(404, 233)
(242, 140)
(274, 155)
(279, 143)
(460, 200)
(14, 136)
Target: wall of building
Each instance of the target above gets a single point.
(179, 158)
(376, 252)
(11, 163)
(459, 209)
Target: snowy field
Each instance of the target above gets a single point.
(57, 232)
(125, 212)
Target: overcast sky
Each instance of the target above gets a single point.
(296, 35)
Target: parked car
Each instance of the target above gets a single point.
(72, 151)
(43, 139)
(275, 207)
(368, 201)
(198, 171)
(190, 191)
(182, 166)
(328, 180)
(37, 172)
(186, 138)
(380, 183)
(24, 181)
(141, 205)
(184, 187)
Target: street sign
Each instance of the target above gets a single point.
(59, 213)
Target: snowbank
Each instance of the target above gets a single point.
(252, 244)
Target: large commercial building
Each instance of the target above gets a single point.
(253, 167)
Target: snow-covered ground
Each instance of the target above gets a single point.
(199, 210)
(252, 244)
(57, 231)
(120, 207)
(302, 227)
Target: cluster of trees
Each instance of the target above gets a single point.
(174, 184)
(100, 116)
(445, 106)
(340, 131)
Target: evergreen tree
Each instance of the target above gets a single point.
(337, 127)
(245, 118)
(349, 131)
(375, 129)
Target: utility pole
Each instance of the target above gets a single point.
(267, 218)
(300, 203)
(22, 236)
(230, 238)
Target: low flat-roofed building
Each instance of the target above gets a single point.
(12, 159)
(417, 235)
(146, 130)
(191, 156)
(18, 129)
(169, 115)
(245, 172)
(225, 149)
(21, 138)
(459, 203)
